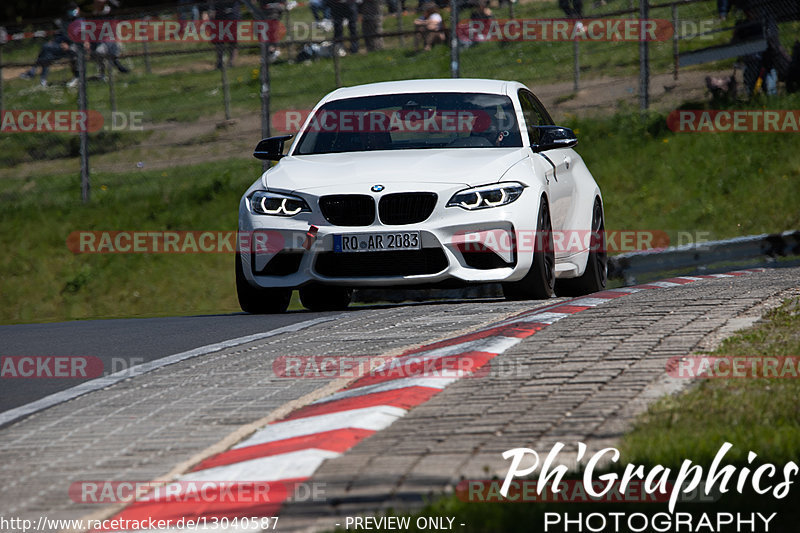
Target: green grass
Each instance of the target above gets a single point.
(43, 281)
(762, 415)
(721, 183)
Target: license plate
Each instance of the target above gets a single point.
(376, 242)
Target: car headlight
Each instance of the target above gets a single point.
(282, 205)
(486, 196)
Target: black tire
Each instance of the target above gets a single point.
(539, 282)
(596, 274)
(325, 297)
(257, 300)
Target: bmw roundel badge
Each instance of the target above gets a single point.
(377, 188)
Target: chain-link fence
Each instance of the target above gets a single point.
(151, 102)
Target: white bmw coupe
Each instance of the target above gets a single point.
(420, 183)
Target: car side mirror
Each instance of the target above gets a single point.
(554, 137)
(271, 148)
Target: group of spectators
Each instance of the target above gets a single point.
(62, 47)
(760, 16)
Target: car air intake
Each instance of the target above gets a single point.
(406, 207)
(381, 264)
(348, 209)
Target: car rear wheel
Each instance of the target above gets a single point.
(538, 283)
(257, 300)
(596, 273)
(325, 298)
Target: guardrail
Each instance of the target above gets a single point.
(707, 257)
(764, 249)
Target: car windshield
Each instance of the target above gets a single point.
(411, 121)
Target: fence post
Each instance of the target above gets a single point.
(83, 108)
(576, 67)
(644, 60)
(226, 91)
(675, 38)
(265, 94)
(1, 78)
(112, 94)
(455, 67)
(146, 51)
(400, 22)
(337, 69)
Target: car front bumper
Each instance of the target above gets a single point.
(295, 254)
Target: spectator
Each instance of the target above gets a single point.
(322, 14)
(341, 10)
(396, 5)
(723, 6)
(188, 10)
(573, 9)
(372, 24)
(480, 11)
(429, 27)
(762, 68)
(274, 11)
(225, 10)
(59, 47)
(107, 50)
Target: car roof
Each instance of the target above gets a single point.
(462, 85)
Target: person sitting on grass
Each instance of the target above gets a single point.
(59, 47)
(429, 27)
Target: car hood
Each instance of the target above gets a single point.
(461, 166)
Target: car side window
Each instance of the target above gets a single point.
(534, 113)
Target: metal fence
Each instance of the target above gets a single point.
(164, 104)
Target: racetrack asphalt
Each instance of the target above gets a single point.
(122, 343)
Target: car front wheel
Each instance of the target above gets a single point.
(538, 283)
(257, 300)
(325, 298)
(596, 273)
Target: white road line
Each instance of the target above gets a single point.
(543, 318)
(625, 290)
(300, 463)
(663, 284)
(370, 418)
(588, 302)
(106, 381)
(492, 344)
